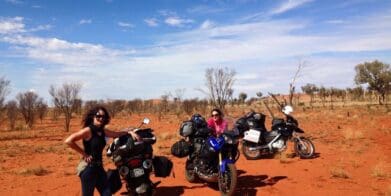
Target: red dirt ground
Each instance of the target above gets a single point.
(352, 145)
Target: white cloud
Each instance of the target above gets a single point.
(289, 5)
(85, 21)
(177, 21)
(152, 22)
(254, 49)
(41, 28)
(335, 21)
(125, 24)
(11, 25)
(207, 24)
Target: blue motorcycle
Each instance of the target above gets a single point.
(209, 158)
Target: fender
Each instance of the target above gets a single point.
(224, 164)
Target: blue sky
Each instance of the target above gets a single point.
(121, 49)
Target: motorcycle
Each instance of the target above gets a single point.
(259, 142)
(209, 158)
(134, 160)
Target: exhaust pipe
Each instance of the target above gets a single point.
(258, 147)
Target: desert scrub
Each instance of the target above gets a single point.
(339, 172)
(38, 171)
(380, 171)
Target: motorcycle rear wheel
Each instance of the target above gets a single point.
(304, 149)
(227, 182)
(250, 155)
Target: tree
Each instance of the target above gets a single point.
(356, 93)
(42, 109)
(292, 86)
(242, 97)
(310, 90)
(323, 94)
(377, 75)
(219, 82)
(134, 106)
(65, 98)
(28, 103)
(115, 106)
(12, 113)
(259, 94)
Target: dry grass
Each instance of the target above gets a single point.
(285, 157)
(38, 171)
(350, 134)
(18, 135)
(339, 172)
(380, 171)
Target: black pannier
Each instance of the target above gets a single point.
(124, 146)
(251, 120)
(180, 149)
(114, 180)
(147, 136)
(162, 166)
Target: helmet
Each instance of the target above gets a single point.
(199, 121)
(287, 109)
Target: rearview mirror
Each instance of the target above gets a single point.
(287, 109)
(146, 121)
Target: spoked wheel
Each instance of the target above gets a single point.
(227, 180)
(190, 175)
(249, 154)
(304, 148)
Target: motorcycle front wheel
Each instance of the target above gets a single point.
(190, 174)
(227, 180)
(250, 155)
(304, 148)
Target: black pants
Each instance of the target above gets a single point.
(94, 176)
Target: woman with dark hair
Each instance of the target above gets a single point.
(217, 123)
(93, 133)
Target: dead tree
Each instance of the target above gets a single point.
(219, 84)
(12, 113)
(292, 83)
(64, 98)
(27, 105)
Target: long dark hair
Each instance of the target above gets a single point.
(218, 111)
(88, 118)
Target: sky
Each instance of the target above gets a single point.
(118, 49)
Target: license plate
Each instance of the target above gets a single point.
(138, 172)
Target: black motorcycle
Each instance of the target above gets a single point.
(257, 141)
(209, 158)
(135, 161)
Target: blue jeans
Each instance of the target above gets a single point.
(94, 176)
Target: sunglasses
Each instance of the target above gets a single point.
(213, 115)
(99, 116)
